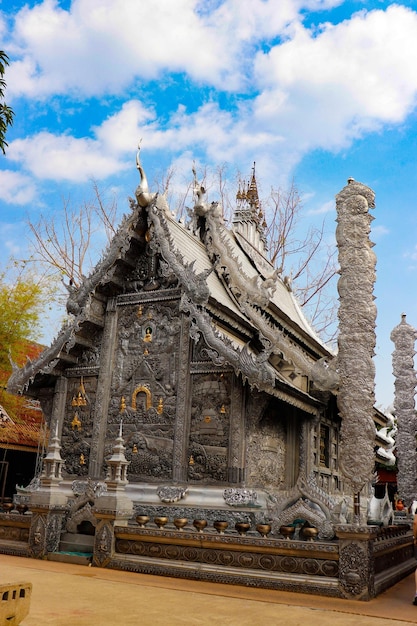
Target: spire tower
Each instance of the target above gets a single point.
(248, 219)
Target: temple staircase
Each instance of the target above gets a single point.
(74, 548)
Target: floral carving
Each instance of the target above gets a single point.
(37, 535)
(171, 494)
(354, 570)
(266, 449)
(240, 497)
(103, 544)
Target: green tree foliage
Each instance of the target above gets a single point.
(23, 298)
(6, 113)
(18, 408)
(21, 305)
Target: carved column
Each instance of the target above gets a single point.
(58, 405)
(304, 447)
(48, 504)
(236, 464)
(183, 408)
(103, 389)
(356, 562)
(45, 529)
(357, 316)
(404, 337)
(113, 506)
(292, 448)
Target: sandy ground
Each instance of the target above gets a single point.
(74, 595)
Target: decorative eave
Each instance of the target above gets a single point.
(253, 292)
(18, 447)
(308, 342)
(254, 370)
(79, 309)
(217, 311)
(380, 418)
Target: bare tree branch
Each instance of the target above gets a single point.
(66, 243)
(304, 257)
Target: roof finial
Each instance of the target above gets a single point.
(252, 192)
(143, 196)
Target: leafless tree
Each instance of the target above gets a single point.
(69, 243)
(304, 256)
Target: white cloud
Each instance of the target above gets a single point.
(121, 132)
(3, 27)
(329, 88)
(319, 89)
(253, 20)
(411, 255)
(327, 207)
(63, 157)
(246, 21)
(16, 188)
(12, 243)
(379, 231)
(101, 46)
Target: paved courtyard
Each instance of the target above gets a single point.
(74, 595)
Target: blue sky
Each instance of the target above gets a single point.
(312, 90)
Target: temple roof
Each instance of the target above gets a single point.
(282, 301)
(25, 437)
(238, 301)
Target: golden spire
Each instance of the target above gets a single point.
(241, 195)
(81, 398)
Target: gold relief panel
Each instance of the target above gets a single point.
(148, 395)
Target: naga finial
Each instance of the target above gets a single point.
(143, 196)
(201, 205)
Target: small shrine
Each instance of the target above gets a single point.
(188, 336)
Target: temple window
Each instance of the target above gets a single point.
(324, 445)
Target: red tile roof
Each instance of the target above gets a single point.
(21, 436)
